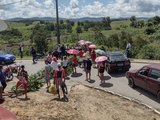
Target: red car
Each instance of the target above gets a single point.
(148, 78)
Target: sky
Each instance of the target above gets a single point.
(79, 8)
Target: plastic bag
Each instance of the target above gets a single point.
(52, 89)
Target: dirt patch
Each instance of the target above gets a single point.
(84, 104)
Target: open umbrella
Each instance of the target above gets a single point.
(88, 42)
(101, 59)
(81, 41)
(72, 51)
(92, 46)
(6, 115)
(100, 52)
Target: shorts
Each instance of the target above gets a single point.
(64, 67)
(88, 71)
(101, 70)
(74, 65)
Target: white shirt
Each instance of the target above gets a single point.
(65, 63)
(54, 65)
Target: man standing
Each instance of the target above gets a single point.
(21, 51)
(33, 53)
(88, 68)
(59, 75)
(2, 81)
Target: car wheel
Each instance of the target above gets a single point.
(131, 82)
(108, 70)
(158, 96)
(9, 77)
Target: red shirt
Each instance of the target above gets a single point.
(81, 54)
(93, 55)
(74, 60)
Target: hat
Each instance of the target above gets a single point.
(59, 64)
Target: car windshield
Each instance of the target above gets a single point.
(116, 57)
(2, 52)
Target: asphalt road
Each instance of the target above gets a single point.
(116, 82)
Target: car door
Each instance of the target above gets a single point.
(141, 77)
(153, 81)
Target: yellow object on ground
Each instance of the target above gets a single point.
(52, 89)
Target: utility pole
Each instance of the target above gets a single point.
(57, 18)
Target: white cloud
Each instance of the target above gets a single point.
(72, 10)
(46, 8)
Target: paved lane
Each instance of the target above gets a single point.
(115, 82)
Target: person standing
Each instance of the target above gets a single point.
(48, 70)
(74, 64)
(101, 71)
(128, 46)
(81, 57)
(93, 57)
(65, 64)
(21, 51)
(59, 75)
(3, 83)
(33, 53)
(88, 66)
(22, 80)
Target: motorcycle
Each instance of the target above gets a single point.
(10, 70)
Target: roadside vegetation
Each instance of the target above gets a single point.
(144, 35)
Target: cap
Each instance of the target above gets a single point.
(59, 64)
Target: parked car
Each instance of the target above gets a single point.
(117, 61)
(148, 78)
(6, 58)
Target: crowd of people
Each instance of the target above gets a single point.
(56, 64)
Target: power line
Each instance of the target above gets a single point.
(11, 3)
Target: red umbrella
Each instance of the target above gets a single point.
(92, 46)
(72, 51)
(101, 59)
(6, 115)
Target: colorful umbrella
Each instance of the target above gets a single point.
(101, 59)
(81, 41)
(92, 46)
(6, 115)
(100, 52)
(88, 42)
(72, 51)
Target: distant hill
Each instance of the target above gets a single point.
(71, 19)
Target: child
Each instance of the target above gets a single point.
(22, 80)
(101, 71)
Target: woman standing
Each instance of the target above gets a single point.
(74, 64)
(101, 69)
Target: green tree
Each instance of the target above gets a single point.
(78, 29)
(106, 23)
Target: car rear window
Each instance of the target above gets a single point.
(118, 57)
(155, 74)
